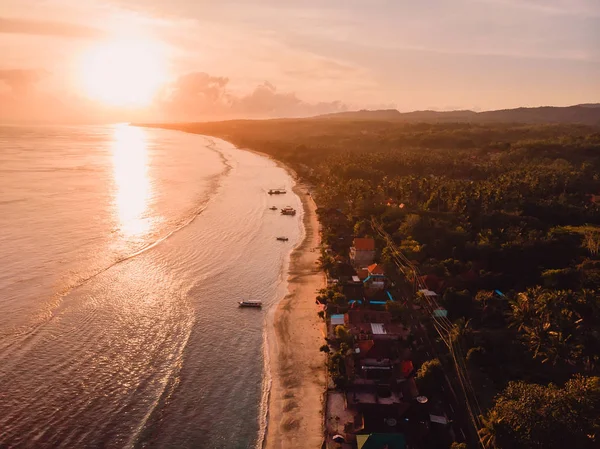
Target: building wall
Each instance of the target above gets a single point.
(378, 285)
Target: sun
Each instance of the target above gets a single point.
(123, 72)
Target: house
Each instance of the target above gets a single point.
(377, 362)
(362, 252)
(376, 278)
(375, 270)
(374, 362)
(373, 325)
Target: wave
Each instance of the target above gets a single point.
(263, 415)
(156, 418)
(27, 333)
(269, 331)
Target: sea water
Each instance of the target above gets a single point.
(123, 254)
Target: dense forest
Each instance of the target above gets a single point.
(503, 220)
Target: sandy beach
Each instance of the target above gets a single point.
(297, 368)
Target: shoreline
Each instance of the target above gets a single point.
(295, 369)
(296, 378)
(295, 333)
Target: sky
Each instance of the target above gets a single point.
(206, 59)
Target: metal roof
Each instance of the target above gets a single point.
(428, 292)
(440, 313)
(337, 320)
(378, 329)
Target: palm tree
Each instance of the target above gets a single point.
(488, 432)
(523, 309)
(461, 331)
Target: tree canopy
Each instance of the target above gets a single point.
(530, 416)
(501, 220)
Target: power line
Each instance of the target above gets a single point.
(442, 325)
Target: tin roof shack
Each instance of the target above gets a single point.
(378, 359)
(373, 362)
(366, 324)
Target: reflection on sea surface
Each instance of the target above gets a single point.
(132, 184)
(103, 345)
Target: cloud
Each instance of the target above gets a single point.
(199, 96)
(196, 93)
(47, 28)
(194, 96)
(20, 80)
(584, 8)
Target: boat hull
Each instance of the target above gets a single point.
(250, 304)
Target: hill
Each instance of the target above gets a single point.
(585, 114)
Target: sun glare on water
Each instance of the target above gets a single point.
(132, 183)
(124, 73)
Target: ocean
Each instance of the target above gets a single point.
(124, 252)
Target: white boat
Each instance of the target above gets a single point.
(250, 303)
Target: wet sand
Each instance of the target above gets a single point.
(297, 367)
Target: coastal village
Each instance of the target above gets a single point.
(383, 390)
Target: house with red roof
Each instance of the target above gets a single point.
(375, 270)
(376, 279)
(362, 252)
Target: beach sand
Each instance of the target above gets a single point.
(297, 367)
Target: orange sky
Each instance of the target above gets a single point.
(73, 60)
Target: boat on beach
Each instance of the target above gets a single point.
(273, 207)
(288, 211)
(283, 239)
(250, 303)
(277, 191)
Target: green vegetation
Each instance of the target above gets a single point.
(528, 416)
(430, 377)
(561, 327)
(502, 220)
(396, 309)
(334, 297)
(458, 446)
(343, 335)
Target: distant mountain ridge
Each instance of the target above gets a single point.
(586, 114)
